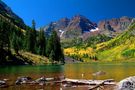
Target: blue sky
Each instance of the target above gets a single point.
(45, 11)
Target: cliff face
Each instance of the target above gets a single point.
(71, 28)
(114, 26)
(81, 27)
(78, 26)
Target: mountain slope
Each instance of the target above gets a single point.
(79, 25)
(80, 30)
(114, 26)
(71, 28)
(12, 38)
(120, 48)
(6, 12)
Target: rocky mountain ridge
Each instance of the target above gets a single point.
(114, 26)
(81, 27)
(70, 28)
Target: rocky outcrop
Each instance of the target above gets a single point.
(114, 26)
(58, 26)
(126, 84)
(2, 83)
(71, 28)
(81, 27)
(41, 80)
(23, 80)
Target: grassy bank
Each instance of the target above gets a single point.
(32, 59)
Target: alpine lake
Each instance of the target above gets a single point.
(116, 71)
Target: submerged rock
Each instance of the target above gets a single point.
(41, 80)
(100, 73)
(2, 82)
(126, 84)
(22, 80)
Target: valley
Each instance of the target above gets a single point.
(70, 53)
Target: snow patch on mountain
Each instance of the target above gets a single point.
(93, 30)
(61, 31)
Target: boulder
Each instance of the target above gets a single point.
(126, 84)
(41, 80)
(2, 83)
(23, 80)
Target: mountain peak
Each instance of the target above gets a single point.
(74, 27)
(82, 23)
(80, 26)
(78, 16)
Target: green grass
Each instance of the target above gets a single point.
(30, 58)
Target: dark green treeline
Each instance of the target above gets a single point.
(30, 40)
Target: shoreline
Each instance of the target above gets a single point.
(61, 80)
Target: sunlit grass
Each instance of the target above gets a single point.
(36, 59)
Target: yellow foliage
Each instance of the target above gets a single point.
(79, 52)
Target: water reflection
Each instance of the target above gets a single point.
(115, 71)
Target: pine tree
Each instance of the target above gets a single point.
(4, 39)
(15, 43)
(34, 35)
(4, 34)
(31, 40)
(29, 43)
(42, 42)
(52, 56)
(55, 46)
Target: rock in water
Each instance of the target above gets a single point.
(126, 84)
(100, 73)
(22, 80)
(42, 79)
(2, 83)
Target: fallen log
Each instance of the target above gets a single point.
(101, 84)
(97, 86)
(89, 82)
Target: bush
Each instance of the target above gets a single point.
(129, 53)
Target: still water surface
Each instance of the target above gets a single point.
(115, 71)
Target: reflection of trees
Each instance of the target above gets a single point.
(115, 71)
(50, 70)
(33, 71)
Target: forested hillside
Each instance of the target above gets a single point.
(22, 44)
(120, 48)
(100, 48)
